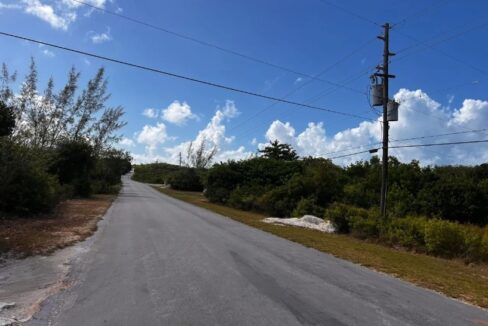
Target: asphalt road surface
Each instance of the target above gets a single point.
(159, 261)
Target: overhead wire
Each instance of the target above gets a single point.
(310, 100)
(214, 46)
(421, 12)
(350, 12)
(371, 150)
(170, 74)
(302, 85)
(411, 138)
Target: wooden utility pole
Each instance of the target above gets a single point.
(385, 77)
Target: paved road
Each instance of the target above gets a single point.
(159, 261)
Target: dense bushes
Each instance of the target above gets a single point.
(33, 181)
(25, 185)
(433, 236)
(408, 232)
(178, 177)
(73, 163)
(186, 179)
(154, 173)
(307, 206)
(56, 139)
(277, 186)
(7, 120)
(109, 168)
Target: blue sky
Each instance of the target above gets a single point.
(441, 90)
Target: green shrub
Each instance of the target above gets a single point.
(276, 202)
(476, 243)
(244, 197)
(7, 119)
(154, 173)
(185, 179)
(484, 246)
(444, 238)
(408, 232)
(25, 186)
(364, 228)
(340, 216)
(74, 163)
(307, 206)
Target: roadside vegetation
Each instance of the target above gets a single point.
(189, 175)
(453, 277)
(56, 144)
(441, 211)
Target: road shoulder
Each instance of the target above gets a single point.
(468, 283)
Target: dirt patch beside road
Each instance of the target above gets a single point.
(72, 221)
(25, 283)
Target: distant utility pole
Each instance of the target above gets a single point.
(385, 76)
(180, 159)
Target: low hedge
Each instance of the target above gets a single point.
(433, 236)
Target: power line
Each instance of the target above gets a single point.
(421, 12)
(214, 46)
(442, 135)
(195, 80)
(432, 46)
(350, 12)
(313, 99)
(356, 153)
(302, 85)
(433, 41)
(373, 150)
(412, 138)
(443, 144)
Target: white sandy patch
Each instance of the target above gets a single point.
(307, 221)
(25, 283)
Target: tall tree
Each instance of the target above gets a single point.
(277, 151)
(44, 119)
(27, 106)
(6, 93)
(200, 157)
(90, 102)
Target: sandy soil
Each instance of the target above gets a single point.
(31, 268)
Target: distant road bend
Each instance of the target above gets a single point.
(159, 261)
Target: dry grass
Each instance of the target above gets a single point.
(72, 221)
(451, 277)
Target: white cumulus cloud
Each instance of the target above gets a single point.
(178, 113)
(282, 132)
(214, 135)
(152, 136)
(419, 115)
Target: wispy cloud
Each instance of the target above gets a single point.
(98, 38)
(9, 6)
(150, 113)
(58, 14)
(48, 14)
